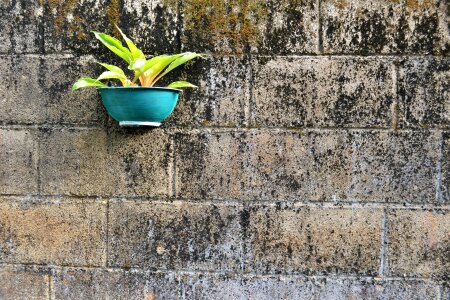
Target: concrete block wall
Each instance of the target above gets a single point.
(313, 162)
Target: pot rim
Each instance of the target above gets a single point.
(140, 88)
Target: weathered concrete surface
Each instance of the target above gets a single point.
(36, 89)
(419, 243)
(112, 284)
(322, 91)
(75, 162)
(263, 164)
(424, 93)
(444, 191)
(152, 25)
(68, 24)
(313, 161)
(385, 26)
(61, 232)
(18, 161)
(20, 26)
(395, 166)
(138, 162)
(294, 238)
(331, 289)
(77, 283)
(222, 97)
(23, 283)
(234, 26)
(178, 235)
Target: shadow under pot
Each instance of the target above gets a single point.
(139, 106)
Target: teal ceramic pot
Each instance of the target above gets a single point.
(139, 106)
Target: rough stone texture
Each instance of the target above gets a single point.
(385, 26)
(331, 289)
(419, 243)
(287, 27)
(36, 89)
(139, 162)
(18, 161)
(445, 179)
(424, 85)
(313, 161)
(23, 283)
(395, 166)
(234, 26)
(68, 24)
(286, 238)
(322, 91)
(222, 97)
(64, 232)
(75, 162)
(152, 25)
(258, 164)
(20, 26)
(174, 235)
(113, 284)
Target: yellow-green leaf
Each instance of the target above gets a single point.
(184, 58)
(112, 75)
(181, 84)
(86, 82)
(113, 68)
(135, 52)
(114, 45)
(157, 68)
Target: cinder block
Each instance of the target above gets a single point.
(395, 166)
(75, 162)
(286, 238)
(322, 91)
(424, 85)
(445, 180)
(330, 288)
(262, 164)
(20, 23)
(18, 161)
(286, 27)
(222, 96)
(274, 27)
(213, 287)
(36, 90)
(153, 25)
(139, 160)
(178, 235)
(61, 232)
(281, 287)
(76, 283)
(23, 283)
(363, 27)
(418, 243)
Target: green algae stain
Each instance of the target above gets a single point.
(234, 22)
(113, 14)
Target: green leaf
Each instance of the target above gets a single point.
(114, 45)
(86, 82)
(135, 52)
(184, 58)
(113, 68)
(112, 75)
(152, 61)
(158, 67)
(137, 64)
(181, 84)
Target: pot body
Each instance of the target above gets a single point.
(139, 106)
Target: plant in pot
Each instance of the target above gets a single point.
(138, 102)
